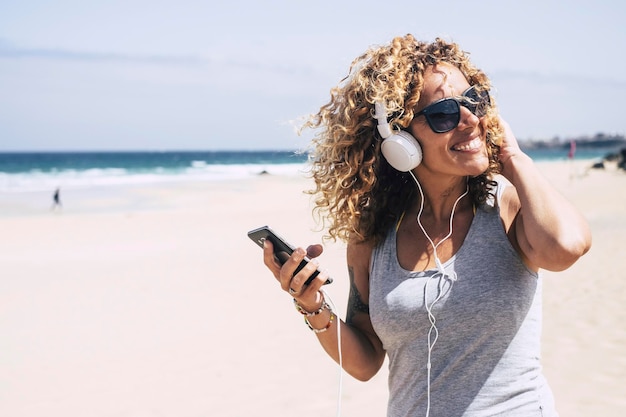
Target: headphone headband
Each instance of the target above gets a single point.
(381, 115)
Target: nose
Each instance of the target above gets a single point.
(467, 119)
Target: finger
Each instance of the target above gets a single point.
(269, 259)
(313, 251)
(315, 285)
(299, 281)
(310, 297)
(508, 132)
(289, 267)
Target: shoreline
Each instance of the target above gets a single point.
(154, 194)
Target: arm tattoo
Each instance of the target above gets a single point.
(355, 303)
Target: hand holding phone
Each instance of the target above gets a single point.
(282, 249)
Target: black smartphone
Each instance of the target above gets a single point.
(282, 249)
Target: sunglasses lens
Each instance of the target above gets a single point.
(443, 116)
(477, 101)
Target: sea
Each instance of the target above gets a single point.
(43, 171)
(23, 172)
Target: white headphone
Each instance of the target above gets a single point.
(400, 148)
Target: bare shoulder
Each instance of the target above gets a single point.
(512, 221)
(359, 253)
(509, 206)
(358, 257)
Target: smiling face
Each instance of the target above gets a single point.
(460, 151)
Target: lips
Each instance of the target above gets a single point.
(470, 145)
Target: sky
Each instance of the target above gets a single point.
(240, 75)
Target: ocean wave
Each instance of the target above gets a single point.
(38, 180)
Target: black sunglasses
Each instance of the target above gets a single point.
(444, 115)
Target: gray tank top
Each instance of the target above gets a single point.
(486, 360)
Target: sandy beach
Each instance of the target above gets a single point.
(151, 301)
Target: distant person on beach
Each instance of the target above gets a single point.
(570, 157)
(622, 160)
(447, 224)
(56, 199)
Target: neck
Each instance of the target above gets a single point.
(439, 199)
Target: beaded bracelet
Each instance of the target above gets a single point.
(322, 330)
(310, 314)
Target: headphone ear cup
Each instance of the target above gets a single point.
(402, 151)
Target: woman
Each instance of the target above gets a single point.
(444, 249)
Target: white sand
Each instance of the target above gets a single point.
(151, 301)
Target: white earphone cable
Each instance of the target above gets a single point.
(440, 293)
(340, 355)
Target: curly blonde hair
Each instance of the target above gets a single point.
(356, 190)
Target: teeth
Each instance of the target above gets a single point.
(468, 146)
